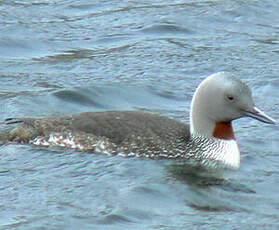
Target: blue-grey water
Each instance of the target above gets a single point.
(66, 56)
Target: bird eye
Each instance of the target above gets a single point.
(231, 98)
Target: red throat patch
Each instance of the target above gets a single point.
(224, 130)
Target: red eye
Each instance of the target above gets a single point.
(231, 98)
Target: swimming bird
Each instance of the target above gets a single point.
(209, 140)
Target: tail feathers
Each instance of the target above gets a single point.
(5, 130)
(4, 136)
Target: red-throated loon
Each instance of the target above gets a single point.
(209, 140)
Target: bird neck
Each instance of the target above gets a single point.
(221, 130)
(224, 130)
(202, 125)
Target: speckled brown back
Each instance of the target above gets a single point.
(131, 130)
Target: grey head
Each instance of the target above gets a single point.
(220, 99)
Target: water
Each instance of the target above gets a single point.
(60, 57)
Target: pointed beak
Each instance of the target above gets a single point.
(259, 115)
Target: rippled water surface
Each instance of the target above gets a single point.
(59, 57)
